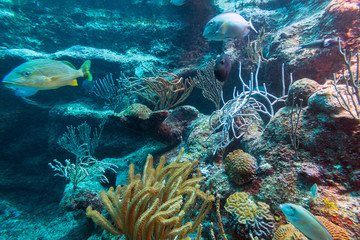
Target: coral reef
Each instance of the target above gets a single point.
(153, 206)
(335, 231)
(165, 126)
(240, 166)
(164, 90)
(288, 232)
(251, 217)
(137, 110)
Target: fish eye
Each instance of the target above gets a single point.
(26, 74)
(222, 62)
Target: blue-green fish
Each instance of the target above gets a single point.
(178, 2)
(313, 191)
(44, 74)
(227, 25)
(305, 222)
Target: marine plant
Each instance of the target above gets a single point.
(349, 99)
(164, 90)
(240, 166)
(233, 120)
(80, 142)
(253, 217)
(75, 138)
(294, 120)
(255, 49)
(114, 91)
(157, 205)
(211, 88)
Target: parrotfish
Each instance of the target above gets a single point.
(305, 222)
(222, 67)
(322, 43)
(44, 74)
(227, 25)
(178, 2)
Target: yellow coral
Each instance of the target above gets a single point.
(156, 205)
(288, 232)
(240, 166)
(328, 206)
(245, 209)
(335, 231)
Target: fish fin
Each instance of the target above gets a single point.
(252, 26)
(74, 83)
(299, 48)
(85, 68)
(246, 34)
(69, 64)
(222, 28)
(25, 92)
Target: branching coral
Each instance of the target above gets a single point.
(255, 48)
(349, 99)
(164, 90)
(233, 118)
(81, 142)
(156, 205)
(114, 91)
(210, 86)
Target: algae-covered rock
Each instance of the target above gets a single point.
(301, 90)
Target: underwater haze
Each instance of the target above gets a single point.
(180, 119)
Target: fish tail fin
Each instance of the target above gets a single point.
(252, 26)
(299, 48)
(85, 68)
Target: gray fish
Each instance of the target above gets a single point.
(227, 25)
(322, 43)
(305, 222)
(222, 67)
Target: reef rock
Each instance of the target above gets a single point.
(165, 126)
(301, 90)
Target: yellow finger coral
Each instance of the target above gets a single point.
(156, 205)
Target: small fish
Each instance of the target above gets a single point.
(87, 87)
(222, 67)
(313, 191)
(227, 25)
(305, 222)
(44, 74)
(178, 2)
(322, 43)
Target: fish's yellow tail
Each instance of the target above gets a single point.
(85, 68)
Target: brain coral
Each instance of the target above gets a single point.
(240, 166)
(288, 232)
(335, 231)
(256, 217)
